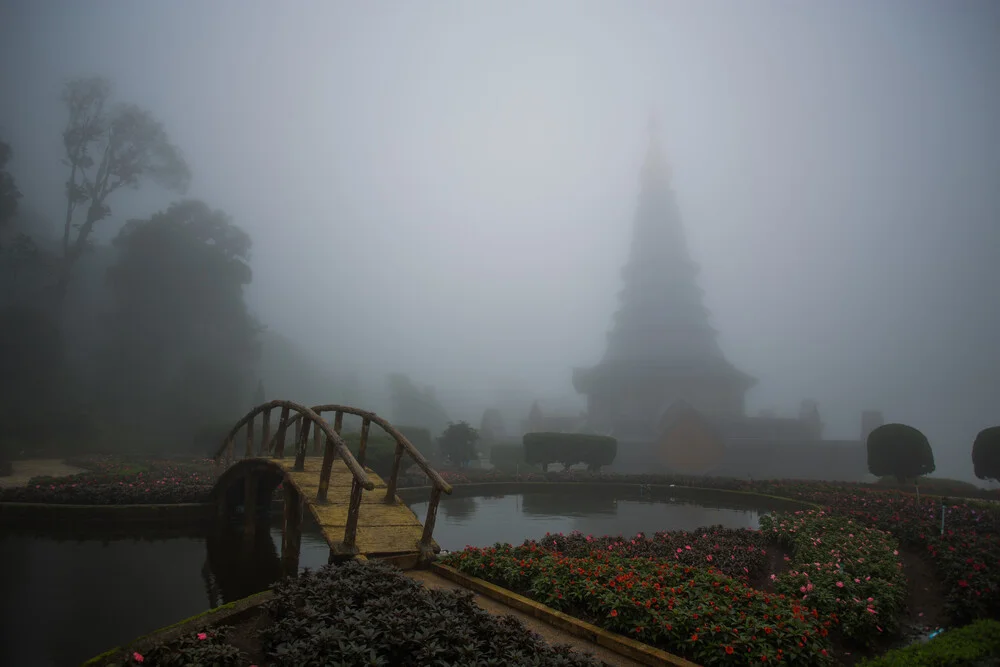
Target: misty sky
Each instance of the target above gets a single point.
(447, 188)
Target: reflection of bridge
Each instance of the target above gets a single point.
(357, 512)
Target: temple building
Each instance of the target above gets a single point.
(664, 387)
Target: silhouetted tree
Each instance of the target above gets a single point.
(900, 451)
(415, 406)
(180, 340)
(108, 148)
(9, 194)
(458, 443)
(986, 454)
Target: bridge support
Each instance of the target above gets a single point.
(250, 492)
(291, 535)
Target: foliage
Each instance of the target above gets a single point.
(208, 647)
(940, 486)
(899, 450)
(458, 443)
(695, 612)
(108, 148)
(975, 645)
(180, 340)
(9, 194)
(570, 449)
(737, 553)
(510, 458)
(419, 437)
(121, 481)
(371, 614)
(380, 450)
(841, 568)
(986, 453)
(416, 406)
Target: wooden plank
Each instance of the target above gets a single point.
(382, 528)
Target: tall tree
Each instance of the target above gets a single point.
(108, 148)
(9, 194)
(899, 451)
(415, 406)
(458, 443)
(181, 343)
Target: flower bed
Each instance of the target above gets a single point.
(364, 614)
(695, 612)
(842, 569)
(741, 554)
(117, 481)
(966, 557)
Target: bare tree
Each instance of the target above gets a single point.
(108, 148)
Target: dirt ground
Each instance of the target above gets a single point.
(25, 470)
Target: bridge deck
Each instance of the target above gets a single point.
(383, 529)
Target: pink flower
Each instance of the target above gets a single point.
(202, 635)
(840, 584)
(137, 656)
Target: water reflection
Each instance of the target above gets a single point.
(517, 517)
(457, 511)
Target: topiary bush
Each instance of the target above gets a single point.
(986, 454)
(975, 645)
(900, 451)
(569, 449)
(510, 458)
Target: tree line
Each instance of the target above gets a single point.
(146, 337)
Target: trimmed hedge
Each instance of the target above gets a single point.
(570, 449)
(899, 451)
(975, 645)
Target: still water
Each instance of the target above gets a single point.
(64, 600)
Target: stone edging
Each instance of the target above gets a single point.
(232, 612)
(629, 648)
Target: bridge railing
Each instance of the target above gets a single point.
(306, 419)
(403, 447)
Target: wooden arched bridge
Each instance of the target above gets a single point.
(358, 512)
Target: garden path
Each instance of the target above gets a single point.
(25, 470)
(551, 634)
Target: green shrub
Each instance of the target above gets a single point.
(900, 451)
(380, 450)
(570, 449)
(986, 453)
(975, 645)
(510, 458)
(419, 437)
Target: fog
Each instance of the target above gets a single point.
(447, 189)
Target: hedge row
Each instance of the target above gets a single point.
(569, 449)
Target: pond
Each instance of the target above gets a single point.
(66, 599)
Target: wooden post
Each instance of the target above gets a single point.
(324, 473)
(265, 440)
(300, 445)
(390, 493)
(338, 422)
(351, 530)
(279, 447)
(298, 426)
(317, 440)
(363, 443)
(291, 534)
(432, 510)
(249, 507)
(249, 449)
(229, 450)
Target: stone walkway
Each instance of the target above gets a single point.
(551, 634)
(25, 470)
